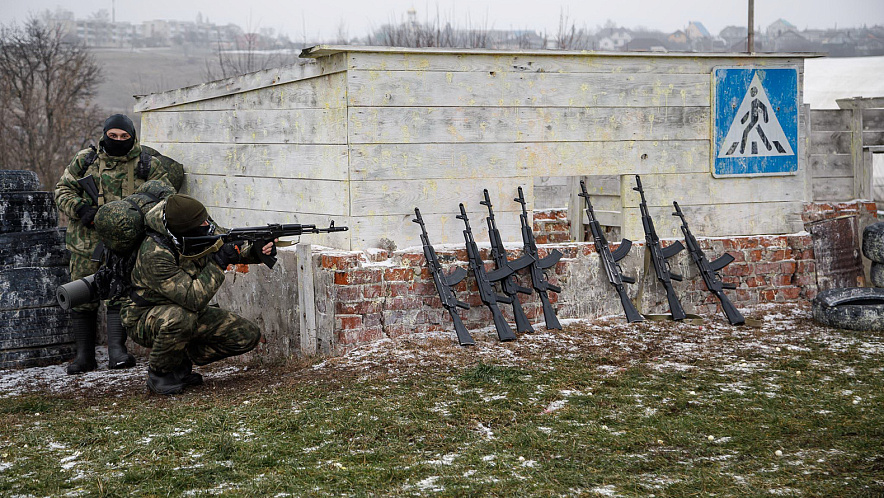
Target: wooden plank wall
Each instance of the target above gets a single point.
(276, 154)
(434, 129)
(831, 160)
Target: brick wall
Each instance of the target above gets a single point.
(385, 294)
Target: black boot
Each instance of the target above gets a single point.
(164, 383)
(118, 356)
(186, 374)
(83, 327)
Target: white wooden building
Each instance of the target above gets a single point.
(363, 135)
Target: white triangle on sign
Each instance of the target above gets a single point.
(755, 131)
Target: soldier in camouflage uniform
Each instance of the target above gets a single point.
(168, 310)
(119, 166)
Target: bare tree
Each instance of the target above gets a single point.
(46, 91)
(241, 53)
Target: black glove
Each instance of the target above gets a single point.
(87, 215)
(229, 254)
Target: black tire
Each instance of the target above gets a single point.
(18, 180)
(28, 328)
(873, 242)
(853, 308)
(22, 288)
(876, 274)
(36, 357)
(26, 211)
(36, 248)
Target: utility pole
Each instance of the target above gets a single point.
(113, 11)
(750, 41)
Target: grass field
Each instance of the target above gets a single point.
(599, 409)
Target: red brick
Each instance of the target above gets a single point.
(773, 241)
(559, 237)
(347, 322)
(377, 255)
(339, 262)
(398, 330)
(348, 293)
(359, 336)
(737, 270)
(806, 267)
(544, 215)
(767, 295)
(541, 239)
(404, 303)
(756, 281)
(414, 259)
(763, 268)
(779, 255)
(357, 308)
(400, 274)
(788, 267)
(804, 280)
(372, 320)
(373, 291)
(394, 289)
(753, 255)
(789, 293)
(739, 257)
(782, 280)
(732, 244)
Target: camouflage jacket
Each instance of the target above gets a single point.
(162, 276)
(115, 178)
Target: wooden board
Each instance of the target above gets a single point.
(490, 124)
(321, 92)
(445, 231)
(374, 198)
(501, 88)
(471, 160)
(233, 217)
(301, 126)
(830, 142)
(830, 119)
(833, 189)
(831, 165)
(719, 220)
(873, 119)
(558, 63)
(318, 162)
(700, 189)
(873, 137)
(239, 84)
(271, 194)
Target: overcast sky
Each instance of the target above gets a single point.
(325, 19)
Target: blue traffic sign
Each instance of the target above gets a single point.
(755, 121)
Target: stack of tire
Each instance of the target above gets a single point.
(34, 330)
(858, 308)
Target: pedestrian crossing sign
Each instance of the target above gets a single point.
(755, 121)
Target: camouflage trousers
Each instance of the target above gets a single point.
(83, 266)
(174, 334)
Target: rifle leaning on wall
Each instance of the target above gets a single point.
(444, 283)
(609, 259)
(538, 278)
(660, 255)
(483, 280)
(508, 285)
(709, 271)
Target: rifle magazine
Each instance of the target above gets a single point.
(721, 262)
(672, 249)
(622, 251)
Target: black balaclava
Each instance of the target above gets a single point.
(113, 147)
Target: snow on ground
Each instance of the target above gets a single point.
(665, 346)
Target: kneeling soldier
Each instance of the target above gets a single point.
(168, 310)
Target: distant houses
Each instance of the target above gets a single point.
(100, 30)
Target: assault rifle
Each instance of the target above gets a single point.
(91, 189)
(483, 280)
(709, 271)
(509, 285)
(659, 255)
(444, 283)
(538, 277)
(260, 235)
(609, 259)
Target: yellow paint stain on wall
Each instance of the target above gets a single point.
(449, 77)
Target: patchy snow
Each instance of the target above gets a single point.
(429, 484)
(608, 490)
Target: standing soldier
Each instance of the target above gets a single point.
(119, 166)
(168, 309)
